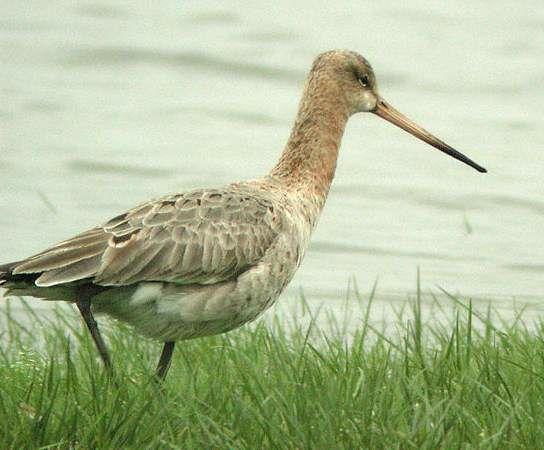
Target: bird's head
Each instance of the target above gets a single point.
(353, 78)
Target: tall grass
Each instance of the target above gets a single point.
(461, 384)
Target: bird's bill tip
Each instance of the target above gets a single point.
(387, 112)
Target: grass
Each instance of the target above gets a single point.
(463, 383)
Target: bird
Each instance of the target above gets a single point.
(206, 261)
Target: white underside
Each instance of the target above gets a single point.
(171, 312)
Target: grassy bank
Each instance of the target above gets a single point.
(463, 384)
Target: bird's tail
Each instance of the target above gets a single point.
(5, 272)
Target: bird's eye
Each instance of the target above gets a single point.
(363, 80)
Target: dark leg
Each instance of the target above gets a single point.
(84, 306)
(164, 361)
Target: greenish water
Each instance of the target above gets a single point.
(105, 105)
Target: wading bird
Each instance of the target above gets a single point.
(206, 261)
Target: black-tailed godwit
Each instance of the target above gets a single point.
(206, 261)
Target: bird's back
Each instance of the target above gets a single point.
(203, 236)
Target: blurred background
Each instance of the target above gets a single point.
(107, 104)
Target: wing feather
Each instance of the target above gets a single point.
(62, 258)
(77, 271)
(202, 236)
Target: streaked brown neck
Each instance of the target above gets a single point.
(309, 158)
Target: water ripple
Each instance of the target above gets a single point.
(213, 18)
(526, 267)
(89, 166)
(330, 247)
(99, 11)
(118, 55)
(229, 114)
(439, 200)
(270, 36)
(516, 202)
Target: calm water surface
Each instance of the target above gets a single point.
(105, 105)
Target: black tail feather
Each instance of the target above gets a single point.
(6, 274)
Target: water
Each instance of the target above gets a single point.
(105, 105)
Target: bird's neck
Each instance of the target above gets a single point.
(308, 162)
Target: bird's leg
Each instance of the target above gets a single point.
(84, 306)
(165, 359)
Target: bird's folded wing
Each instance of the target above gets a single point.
(197, 237)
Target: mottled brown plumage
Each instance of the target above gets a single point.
(207, 261)
(202, 236)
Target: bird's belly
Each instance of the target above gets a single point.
(171, 312)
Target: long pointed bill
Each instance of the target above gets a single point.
(387, 112)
